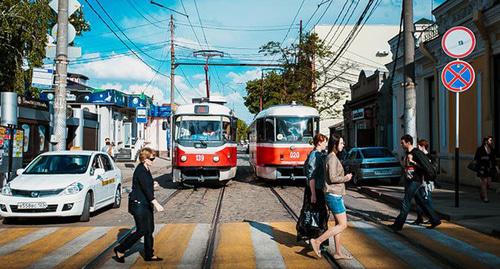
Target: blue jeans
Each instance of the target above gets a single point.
(335, 203)
(412, 190)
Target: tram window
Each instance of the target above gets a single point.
(260, 130)
(294, 129)
(269, 129)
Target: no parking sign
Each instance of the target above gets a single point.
(458, 76)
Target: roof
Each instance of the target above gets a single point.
(72, 152)
(288, 110)
(214, 109)
(424, 21)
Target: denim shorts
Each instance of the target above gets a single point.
(335, 203)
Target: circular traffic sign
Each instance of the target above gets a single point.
(458, 42)
(458, 76)
(71, 33)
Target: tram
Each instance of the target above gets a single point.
(280, 140)
(205, 146)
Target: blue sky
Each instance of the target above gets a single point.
(236, 27)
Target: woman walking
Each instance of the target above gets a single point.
(334, 189)
(427, 185)
(486, 166)
(141, 203)
(314, 197)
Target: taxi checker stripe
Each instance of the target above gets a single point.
(458, 76)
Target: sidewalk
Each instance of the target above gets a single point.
(160, 167)
(472, 213)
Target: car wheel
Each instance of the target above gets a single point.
(118, 198)
(395, 181)
(85, 217)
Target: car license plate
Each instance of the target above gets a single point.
(31, 205)
(382, 172)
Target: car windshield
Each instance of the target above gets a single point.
(58, 164)
(200, 128)
(293, 129)
(376, 153)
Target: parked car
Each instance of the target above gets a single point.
(63, 183)
(372, 163)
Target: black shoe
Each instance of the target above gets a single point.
(394, 227)
(434, 225)
(118, 259)
(153, 259)
(418, 222)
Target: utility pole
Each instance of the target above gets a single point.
(261, 89)
(172, 85)
(61, 75)
(409, 70)
(299, 59)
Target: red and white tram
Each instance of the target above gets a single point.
(280, 139)
(204, 143)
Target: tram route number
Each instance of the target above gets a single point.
(294, 155)
(200, 158)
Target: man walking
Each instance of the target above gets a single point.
(415, 172)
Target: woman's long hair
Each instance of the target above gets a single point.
(485, 140)
(333, 143)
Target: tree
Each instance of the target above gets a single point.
(24, 25)
(303, 77)
(242, 130)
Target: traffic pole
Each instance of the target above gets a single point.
(457, 149)
(172, 86)
(261, 89)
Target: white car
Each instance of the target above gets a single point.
(62, 183)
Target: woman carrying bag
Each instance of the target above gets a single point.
(141, 203)
(485, 166)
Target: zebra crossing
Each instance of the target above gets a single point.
(251, 245)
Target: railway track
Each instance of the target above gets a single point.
(214, 226)
(100, 259)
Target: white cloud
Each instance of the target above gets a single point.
(156, 93)
(109, 85)
(198, 76)
(125, 68)
(244, 77)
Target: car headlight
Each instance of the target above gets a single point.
(6, 190)
(216, 158)
(184, 158)
(73, 189)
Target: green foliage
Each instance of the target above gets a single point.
(242, 130)
(301, 78)
(24, 25)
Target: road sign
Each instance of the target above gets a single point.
(71, 32)
(141, 115)
(73, 52)
(458, 76)
(458, 42)
(42, 78)
(73, 5)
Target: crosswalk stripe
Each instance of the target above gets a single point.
(455, 249)
(132, 255)
(32, 252)
(295, 254)
(234, 249)
(85, 255)
(347, 264)
(476, 239)
(26, 239)
(9, 235)
(195, 251)
(170, 244)
(267, 253)
(398, 248)
(71, 248)
(369, 252)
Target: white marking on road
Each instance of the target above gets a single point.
(71, 248)
(132, 254)
(394, 245)
(27, 239)
(347, 264)
(195, 251)
(267, 253)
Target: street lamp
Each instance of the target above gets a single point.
(208, 54)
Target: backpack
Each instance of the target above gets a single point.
(428, 168)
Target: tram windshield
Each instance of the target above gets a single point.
(295, 129)
(203, 128)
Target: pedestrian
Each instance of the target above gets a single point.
(141, 203)
(485, 166)
(335, 189)
(314, 197)
(415, 163)
(427, 184)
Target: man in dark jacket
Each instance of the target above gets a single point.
(414, 176)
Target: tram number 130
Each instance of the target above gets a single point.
(294, 155)
(200, 158)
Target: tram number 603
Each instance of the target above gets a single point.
(294, 155)
(200, 158)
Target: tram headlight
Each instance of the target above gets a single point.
(216, 158)
(184, 158)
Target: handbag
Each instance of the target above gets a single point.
(473, 166)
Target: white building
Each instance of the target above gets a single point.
(368, 51)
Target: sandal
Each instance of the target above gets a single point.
(153, 259)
